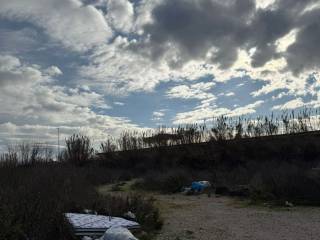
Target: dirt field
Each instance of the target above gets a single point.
(223, 218)
(203, 218)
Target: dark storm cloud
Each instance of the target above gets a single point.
(194, 27)
(305, 52)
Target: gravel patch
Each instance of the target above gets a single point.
(204, 218)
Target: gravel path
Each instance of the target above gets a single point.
(203, 218)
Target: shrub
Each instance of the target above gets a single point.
(286, 182)
(34, 198)
(170, 181)
(78, 149)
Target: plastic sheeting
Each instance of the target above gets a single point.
(200, 186)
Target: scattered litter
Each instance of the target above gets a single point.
(129, 215)
(95, 225)
(118, 233)
(186, 190)
(289, 204)
(200, 186)
(88, 211)
(196, 187)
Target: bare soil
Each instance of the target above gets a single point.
(222, 218)
(215, 218)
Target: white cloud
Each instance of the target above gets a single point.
(53, 71)
(120, 71)
(193, 91)
(8, 62)
(36, 105)
(248, 109)
(13, 73)
(118, 103)
(280, 95)
(120, 14)
(264, 3)
(198, 115)
(229, 94)
(284, 42)
(208, 112)
(311, 7)
(296, 103)
(157, 116)
(76, 26)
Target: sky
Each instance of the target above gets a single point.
(100, 67)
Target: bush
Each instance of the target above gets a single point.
(33, 200)
(78, 149)
(170, 181)
(286, 182)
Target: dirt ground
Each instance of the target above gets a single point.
(215, 218)
(222, 218)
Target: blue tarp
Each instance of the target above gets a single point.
(199, 186)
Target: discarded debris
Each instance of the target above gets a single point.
(129, 215)
(196, 187)
(289, 204)
(97, 225)
(186, 190)
(118, 233)
(200, 186)
(89, 211)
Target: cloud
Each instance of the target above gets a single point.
(242, 39)
(53, 71)
(303, 53)
(202, 113)
(193, 91)
(18, 41)
(293, 104)
(93, 51)
(120, 14)
(69, 22)
(158, 115)
(32, 104)
(229, 94)
(13, 73)
(216, 31)
(120, 71)
(264, 3)
(118, 103)
(194, 28)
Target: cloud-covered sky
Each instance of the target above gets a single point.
(101, 66)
